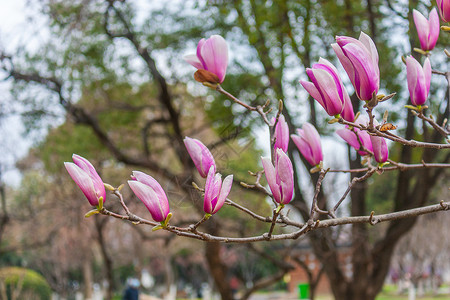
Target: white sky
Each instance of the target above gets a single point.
(16, 28)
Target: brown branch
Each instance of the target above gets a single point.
(192, 231)
(399, 166)
(442, 131)
(395, 138)
(369, 173)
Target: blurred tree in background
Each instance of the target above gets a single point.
(111, 85)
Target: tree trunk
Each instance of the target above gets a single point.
(218, 270)
(87, 278)
(107, 260)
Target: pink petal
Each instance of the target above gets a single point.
(312, 90)
(423, 29)
(349, 136)
(434, 29)
(371, 48)
(199, 53)
(304, 148)
(380, 149)
(147, 195)
(201, 156)
(313, 138)
(326, 85)
(347, 113)
(282, 134)
(193, 60)
(84, 182)
(86, 166)
(285, 172)
(214, 53)
(224, 192)
(271, 177)
(427, 72)
(152, 183)
(366, 80)
(345, 62)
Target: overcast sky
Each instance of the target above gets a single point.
(15, 28)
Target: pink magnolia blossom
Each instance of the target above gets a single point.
(308, 143)
(280, 177)
(419, 80)
(380, 149)
(201, 156)
(350, 137)
(87, 179)
(212, 56)
(444, 9)
(360, 60)
(281, 134)
(150, 192)
(427, 30)
(327, 88)
(216, 192)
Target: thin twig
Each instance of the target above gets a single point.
(350, 185)
(395, 138)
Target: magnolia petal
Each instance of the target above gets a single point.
(85, 165)
(367, 79)
(313, 138)
(328, 88)
(345, 62)
(200, 155)
(152, 183)
(193, 60)
(380, 149)
(282, 134)
(285, 172)
(224, 192)
(84, 182)
(434, 29)
(349, 136)
(313, 91)
(427, 73)
(370, 46)
(149, 197)
(214, 53)
(347, 113)
(304, 148)
(423, 29)
(199, 54)
(271, 177)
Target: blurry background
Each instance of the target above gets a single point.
(106, 79)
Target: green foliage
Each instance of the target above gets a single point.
(30, 283)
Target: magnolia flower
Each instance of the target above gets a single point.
(216, 192)
(201, 156)
(281, 134)
(444, 9)
(355, 141)
(212, 56)
(327, 88)
(380, 149)
(347, 113)
(280, 178)
(308, 143)
(360, 60)
(150, 192)
(427, 30)
(419, 80)
(87, 179)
